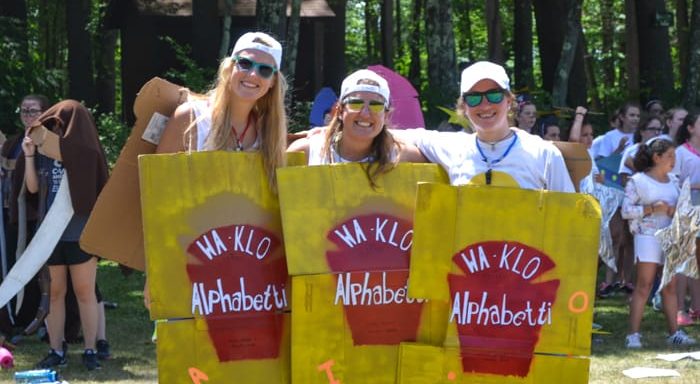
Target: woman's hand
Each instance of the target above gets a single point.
(28, 146)
(662, 207)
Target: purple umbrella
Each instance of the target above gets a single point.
(404, 99)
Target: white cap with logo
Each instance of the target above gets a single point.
(247, 41)
(352, 83)
(484, 70)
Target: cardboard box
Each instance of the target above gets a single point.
(114, 230)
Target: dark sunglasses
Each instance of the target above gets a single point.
(494, 96)
(356, 105)
(263, 70)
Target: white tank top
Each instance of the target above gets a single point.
(202, 114)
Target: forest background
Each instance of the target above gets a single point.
(562, 53)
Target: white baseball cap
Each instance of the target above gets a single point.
(247, 41)
(484, 70)
(352, 84)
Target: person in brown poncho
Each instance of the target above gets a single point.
(77, 152)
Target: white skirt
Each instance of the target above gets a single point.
(647, 249)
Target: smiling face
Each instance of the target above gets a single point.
(249, 85)
(630, 119)
(29, 111)
(362, 124)
(489, 120)
(527, 117)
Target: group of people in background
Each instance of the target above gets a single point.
(245, 111)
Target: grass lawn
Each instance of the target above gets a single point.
(129, 332)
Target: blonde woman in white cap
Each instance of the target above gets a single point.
(495, 146)
(358, 129)
(243, 112)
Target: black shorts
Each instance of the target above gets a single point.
(68, 253)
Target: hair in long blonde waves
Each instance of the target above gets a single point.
(271, 122)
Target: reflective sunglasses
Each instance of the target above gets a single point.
(494, 96)
(356, 105)
(29, 112)
(263, 70)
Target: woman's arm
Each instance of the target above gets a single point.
(411, 154)
(173, 138)
(300, 145)
(30, 176)
(575, 131)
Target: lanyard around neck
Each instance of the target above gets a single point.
(490, 163)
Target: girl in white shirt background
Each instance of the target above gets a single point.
(650, 199)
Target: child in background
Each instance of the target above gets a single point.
(650, 199)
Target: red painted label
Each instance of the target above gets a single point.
(239, 285)
(498, 309)
(374, 296)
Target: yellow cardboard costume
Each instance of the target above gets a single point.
(518, 268)
(216, 267)
(348, 248)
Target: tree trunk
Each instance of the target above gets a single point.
(690, 92)
(568, 53)
(439, 38)
(334, 45)
(551, 29)
(271, 17)
(106, 75)
(414, 69)
(494, 31)
(206, 33)
(522, 35)
(682, 30)
(293, 40)
(387, 27)
(226, 29)
(591, 81)
(81, 85)
(631, 49)
(368, 31)
(608, 41)
(655, 68)
(399, 38)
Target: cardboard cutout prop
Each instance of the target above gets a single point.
(518, 268)
(216, 267)
(122, 240)
(348, 246)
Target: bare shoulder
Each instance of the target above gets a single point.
(299, 145)
(173, 138)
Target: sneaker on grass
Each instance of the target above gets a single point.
(52, 360)
(90, 360)
(103, 350)
(680, 338)
(633, 341)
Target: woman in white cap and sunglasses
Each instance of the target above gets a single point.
(243, 112)
(486, 100)
(358, 129)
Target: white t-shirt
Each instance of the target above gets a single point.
(611, 140)
(595, 147)
(532, 162)
(642, 190)
(687, 165)
(629, 152)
